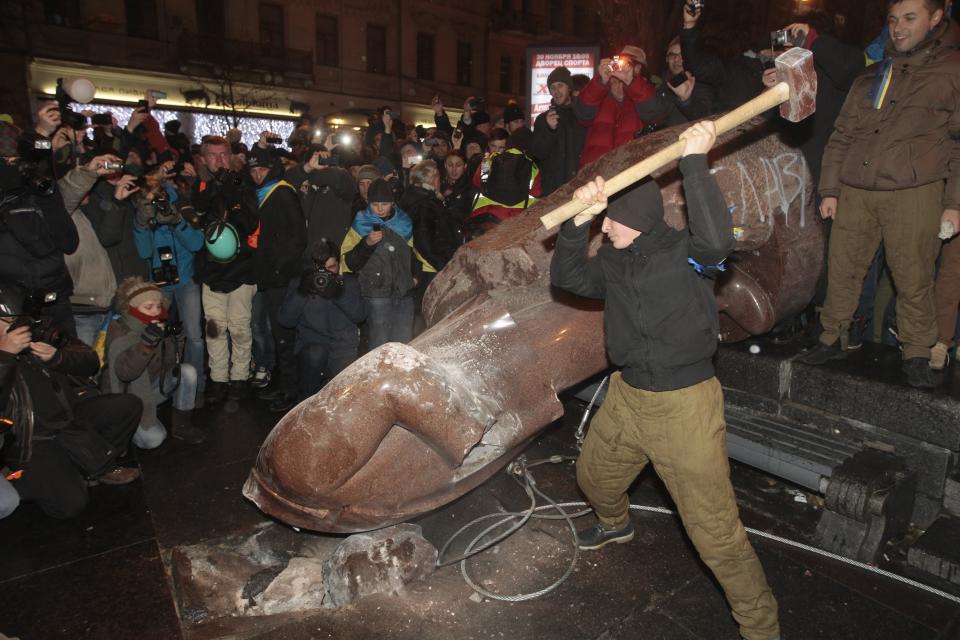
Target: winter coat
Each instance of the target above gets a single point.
(734, 81)
(112, 220)
(327, 198)
(436, 234)
(132, 367)
(557, 151)
(282, 236)
(94, 282)
(900, 124)
(35, 233)
(183, 240)
(321, 320)
(388, 268)
(611, 123)
(37, 396)
(660, 316)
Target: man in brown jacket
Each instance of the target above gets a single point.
(891, 173)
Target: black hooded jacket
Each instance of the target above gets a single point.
(660, 316)
(436, 233)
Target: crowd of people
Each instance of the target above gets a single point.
(138, 266)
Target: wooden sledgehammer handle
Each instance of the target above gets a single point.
(767, 100)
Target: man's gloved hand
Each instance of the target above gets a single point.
(152, 335)
(144, 215)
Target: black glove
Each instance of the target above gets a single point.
(152, 335)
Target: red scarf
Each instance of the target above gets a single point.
(144, 318)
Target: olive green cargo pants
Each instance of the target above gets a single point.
(682, 433)
(907, 221)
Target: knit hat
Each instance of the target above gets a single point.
(173, 126)
(560, 74)
(512, 112)
(634, 52)
(134, 291)
(368, 172)
(380, 191)
(640, 208)
(481, 117)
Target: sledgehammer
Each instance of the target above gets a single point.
(796, 93)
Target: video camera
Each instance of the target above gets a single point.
(316, 280)
(780, 39)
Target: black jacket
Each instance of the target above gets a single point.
(557, 151)
(436, 234)
(734, 81)
(321, 320)
(660, 317)
(113, 221)
(282, 239)
(327, 196)
(238, 202)
(35, 232)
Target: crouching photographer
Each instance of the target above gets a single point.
(64, 433)
(143, 355)
(169, 242)
(325, 309)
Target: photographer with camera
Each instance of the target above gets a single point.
(169, 243)
(280, 242)
(609, 104)
(324, 308)
(143, 358)
(326, 194)
(558, 137)
(224, 199)
(474, 124)
(35, 228)
(64, 433)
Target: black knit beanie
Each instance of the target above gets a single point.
(639, 208)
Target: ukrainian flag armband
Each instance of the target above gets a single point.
(710, 271)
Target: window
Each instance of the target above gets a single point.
(210, 17)
(271, 29)
(465, 63)
(425, 56)
(522, 74)
(327, 50)
(376, 48)
(142, 18)
(556, 15)
(64, 13)
(580, 26)
(506, 74)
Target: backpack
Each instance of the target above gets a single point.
(508, 179)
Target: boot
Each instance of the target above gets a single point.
(182, 428)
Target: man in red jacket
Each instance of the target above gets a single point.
(608, 104)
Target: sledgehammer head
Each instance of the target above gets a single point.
(795, 67)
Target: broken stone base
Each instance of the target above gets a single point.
(278, 570)
(936, 552)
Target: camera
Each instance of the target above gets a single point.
(158, 95)
(167, 272)
(317, 281)
(41, 330)
(143, 105)
(694, 6)
(780, 39)
(111, 165)
(172, 329)
(478, 104)
(163, 212)
(345, 139)
(101, 119)
(377, 226)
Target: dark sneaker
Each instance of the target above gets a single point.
(281, 404)
(597, 536)
(238, 390)
(215, 393)
(821, 354)
(919, 373)
(120, 475)
(260, 378)
(271, 393)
